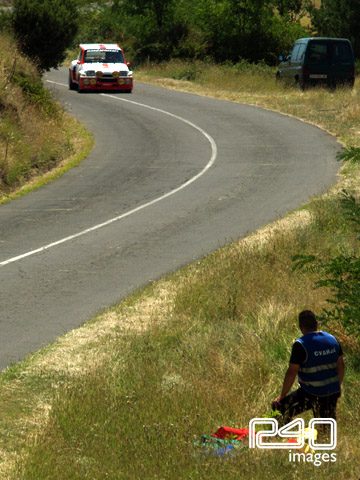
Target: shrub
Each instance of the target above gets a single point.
(341, 274)
(350, 154)
(45, 29)
(34, 89)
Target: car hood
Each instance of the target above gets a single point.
(105, 67)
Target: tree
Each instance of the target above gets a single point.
(223, 30)
(289, 7)
(157, 8)
(45, 29)
(158, 27)
(337, 18)
(246, 29)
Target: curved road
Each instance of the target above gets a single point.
(163, 186)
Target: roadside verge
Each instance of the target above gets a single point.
(224, 317)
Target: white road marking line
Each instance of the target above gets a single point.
(141, 207)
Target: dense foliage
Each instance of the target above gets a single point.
(341, 272)
(227, 30)
(217, 29)
(156, 30)
(338, 18)
(45, 29)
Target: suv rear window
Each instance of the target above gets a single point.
(342, 52)
(318, 54)
(322, 53)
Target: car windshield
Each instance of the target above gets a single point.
(103, 56)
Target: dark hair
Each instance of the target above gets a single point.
(307, 320)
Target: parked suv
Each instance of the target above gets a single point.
(318, 60)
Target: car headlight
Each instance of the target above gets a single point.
(99, 74)
(115, 74)
(90, 73)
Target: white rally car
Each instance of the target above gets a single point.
(100, 67)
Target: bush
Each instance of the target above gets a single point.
(350, 155)
(5, 20)
(341, 274)
(34, 89)
(45, 29)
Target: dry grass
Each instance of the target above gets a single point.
(224, 317)
(73, 355)
(37, 139)
(336, 112)
(69, 355)
(232, 354)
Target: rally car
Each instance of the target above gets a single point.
(100, 67)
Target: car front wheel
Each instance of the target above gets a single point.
(72, 85)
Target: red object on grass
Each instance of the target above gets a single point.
(234, 433)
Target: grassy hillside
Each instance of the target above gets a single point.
(36, 136)
(129, 395)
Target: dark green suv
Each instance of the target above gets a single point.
(319, 60)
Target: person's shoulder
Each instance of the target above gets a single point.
(336, 340)
(329, 335)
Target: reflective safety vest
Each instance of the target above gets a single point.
(318, 373)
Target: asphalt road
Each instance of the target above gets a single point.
(163, 186)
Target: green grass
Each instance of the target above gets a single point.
(127, 395)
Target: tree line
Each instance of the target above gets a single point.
(157, 30)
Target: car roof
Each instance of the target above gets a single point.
(308, 39)
(99, 46)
